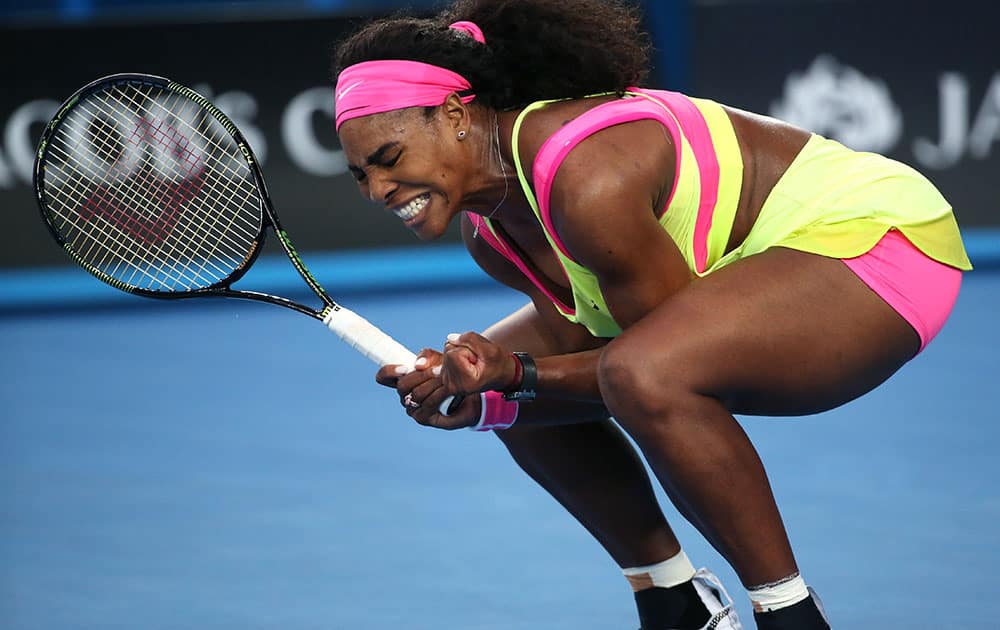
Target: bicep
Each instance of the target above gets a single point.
(603, 210)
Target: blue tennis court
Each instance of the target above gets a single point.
(232, 465)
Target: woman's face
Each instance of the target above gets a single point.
(416, 167)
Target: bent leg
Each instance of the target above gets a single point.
(780, 333)
(593, 472)
(590, 468)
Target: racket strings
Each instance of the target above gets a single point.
(107, 152)
(120, 251)
(229, 193)
(231, 175)
(100, 194)
(160, 194)
(203, 229)
(110, 244)
(97, 203)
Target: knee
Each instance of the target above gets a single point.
(641, 391)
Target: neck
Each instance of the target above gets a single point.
(493, 195)
(516, 210)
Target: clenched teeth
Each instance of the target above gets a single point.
(413, 208)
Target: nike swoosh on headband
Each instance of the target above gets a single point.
(349, 88)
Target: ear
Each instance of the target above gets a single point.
(456, 113)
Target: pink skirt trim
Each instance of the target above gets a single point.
(919, 288)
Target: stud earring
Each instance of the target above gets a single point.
(461, 135)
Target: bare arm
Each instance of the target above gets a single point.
(606, 219)
(566, 353)
(603, 202)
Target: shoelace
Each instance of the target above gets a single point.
(718, 618)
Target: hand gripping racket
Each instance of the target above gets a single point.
(152, 189)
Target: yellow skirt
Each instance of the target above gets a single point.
(839, 203)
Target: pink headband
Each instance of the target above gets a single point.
(373, 87)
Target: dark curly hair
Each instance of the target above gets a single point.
(535, 49)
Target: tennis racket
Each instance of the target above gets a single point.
(154, 191)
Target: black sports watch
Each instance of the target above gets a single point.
(525, 391)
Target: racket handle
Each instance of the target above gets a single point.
(369, 340)
(450, 404)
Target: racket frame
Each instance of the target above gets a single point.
(352, 328)
(269, 218)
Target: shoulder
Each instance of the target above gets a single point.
(611, 145)
(595, 155)
(618, 177)
(541, 124)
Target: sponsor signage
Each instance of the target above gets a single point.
(274, 80)
(918, 81)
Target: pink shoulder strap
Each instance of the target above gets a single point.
(675, 111)
(558, 145)
(493, 240)
(678, 114)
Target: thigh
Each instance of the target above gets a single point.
(783, 332)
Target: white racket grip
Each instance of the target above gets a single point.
(369, 340)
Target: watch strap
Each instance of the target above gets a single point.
(525, 390)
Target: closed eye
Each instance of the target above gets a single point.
(377, 159)
(392, 161)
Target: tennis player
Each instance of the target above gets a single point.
(685, 261)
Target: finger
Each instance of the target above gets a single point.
(470, 338)
(387, 375)
(453, 341)
(410, 404)
(465, 415)
(422, 415)
(427, 413)
(461, 366)
(428, 395)
(427, 358)
(422, 393)
(392, 371)
(415, 379)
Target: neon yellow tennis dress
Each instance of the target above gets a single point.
(831, 201)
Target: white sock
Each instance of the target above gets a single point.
(777, 595)
(670, 572)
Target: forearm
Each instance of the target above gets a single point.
(547, 390)
(545, 412)
(569, 377)
(563, 391)
(566, 356)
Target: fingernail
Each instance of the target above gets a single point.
(453, 337)
(421, 362)
(436, 370)
(402, 369)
